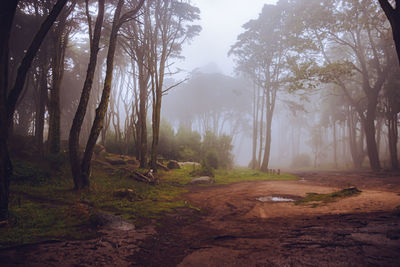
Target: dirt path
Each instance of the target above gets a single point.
(233, 228)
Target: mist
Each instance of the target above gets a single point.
(199, 117)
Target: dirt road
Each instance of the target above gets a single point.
(234, 228)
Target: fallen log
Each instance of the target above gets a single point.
(161, 166)
(148, 178)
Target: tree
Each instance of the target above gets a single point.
(60, 37)
(81, 181)
(84, 173)
(170, 30)
(8, 101)
(362, 71)
(261, 52)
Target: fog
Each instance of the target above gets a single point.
(221, 23)
(263, 84)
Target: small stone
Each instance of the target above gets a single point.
(173, 164)
(202, 180)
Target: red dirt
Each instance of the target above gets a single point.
(235, 229)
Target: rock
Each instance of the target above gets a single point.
(116, 161)
(111, 221)
(173, 164)
(191, 163)
(202, 180)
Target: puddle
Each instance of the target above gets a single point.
(274, 199)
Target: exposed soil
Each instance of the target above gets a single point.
(233, 228)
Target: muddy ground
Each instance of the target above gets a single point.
(233, 228)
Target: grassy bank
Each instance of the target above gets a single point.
(43, 205)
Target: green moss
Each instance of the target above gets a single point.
(44, 206)
(32, 221)
(243, 174)
(327, 198)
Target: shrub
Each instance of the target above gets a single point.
(211, 159)
(203, 171)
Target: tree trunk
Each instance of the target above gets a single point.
(393, 15)
(355, 150)
(253, 163)
(267, 149)
(156, 129)
(8, 9)
(105, 97)
(369, 127)
(261, 130)
(54, 104)
(79, 180)
(334, 144)
(142, 129)
(393, 139)
(41, 108)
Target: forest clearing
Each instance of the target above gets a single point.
(178, 223)
(199, 133)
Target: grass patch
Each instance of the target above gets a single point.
(183, 176)
(243, 174)
(43, 205)
(316, 199)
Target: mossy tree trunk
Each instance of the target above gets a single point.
(81, 181)
(105, 97)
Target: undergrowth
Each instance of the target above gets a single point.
(43, 205)
(313, 198)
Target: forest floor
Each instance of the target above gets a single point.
(232, 227)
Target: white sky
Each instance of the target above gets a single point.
(221, 22)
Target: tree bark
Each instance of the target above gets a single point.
(267, 149)
(79, 180)
(369, 128)
(105, 97)
(8, 9)
(334, 144)
(393, 139)
(41, 108)
(142, 129)
(393, 15)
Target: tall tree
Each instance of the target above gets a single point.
(60, 36)
(101, 110)
(171, 30)
(80, 180)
